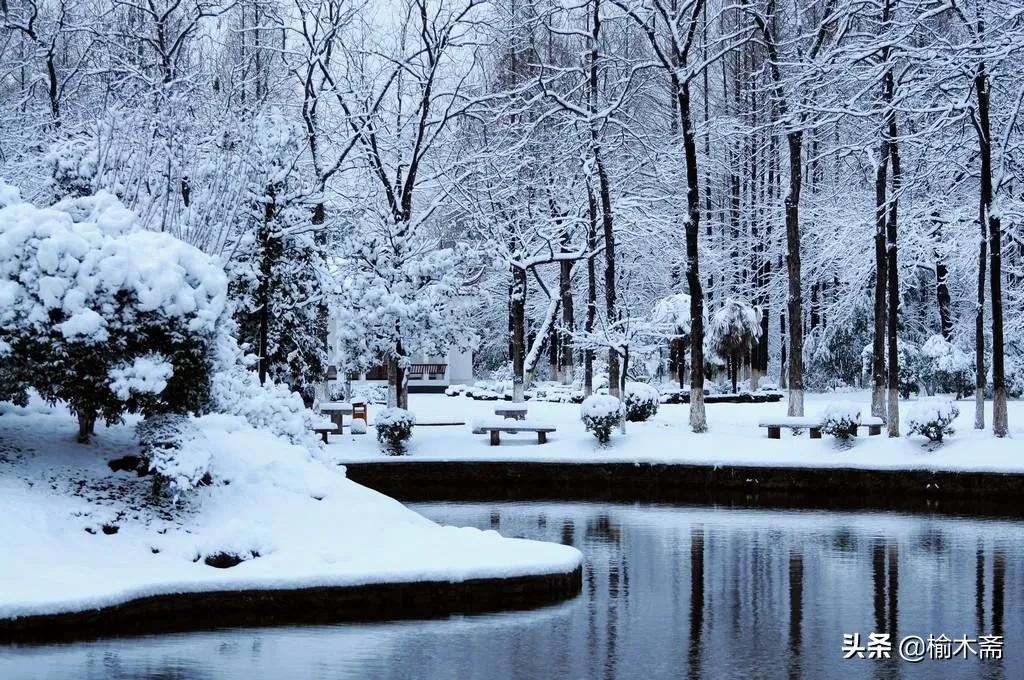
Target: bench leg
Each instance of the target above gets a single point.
(815, 432)
(542, 437)
(494, 438)
(874, 429)
(774, 433)
(323, 435)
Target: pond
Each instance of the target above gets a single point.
(668, 592)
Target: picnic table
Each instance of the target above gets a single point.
(336, 411)
(511, 412)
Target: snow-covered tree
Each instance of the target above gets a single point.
(734, 328)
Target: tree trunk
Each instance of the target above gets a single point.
(568, 323)
(783, 363)
(794, 304)
(264, 292)
(86, 425)
(893, 396)
(979, 326)
(878, 343)
(591, 316)
(518, 305)
(944, 299)
(698, 415)
(554, 344)
(999, 414)
(892, 270)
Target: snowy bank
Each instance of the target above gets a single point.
(79, 537)
(734, 438)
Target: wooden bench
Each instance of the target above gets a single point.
(813, 426)
(427, 371)
(494, 429)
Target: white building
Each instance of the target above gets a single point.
(426, 373)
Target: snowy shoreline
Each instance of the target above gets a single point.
(257, 604)
(80, 538)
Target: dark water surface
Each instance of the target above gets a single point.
(669, 592)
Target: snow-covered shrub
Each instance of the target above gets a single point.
(909, 357)
(88, 303)
(601, 414)
(370, 394)
(841, 419)
(933, 418)
(1014, 376)
(176, 451)
(945, 368)
(641, 402)
(73, 164)
(236, 390)
(394, 427)
(358, 426)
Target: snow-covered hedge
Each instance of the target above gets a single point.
(641, 401)
(394, 427)
(601, 414)
(841, 419)
(176, 451)
(933, 418)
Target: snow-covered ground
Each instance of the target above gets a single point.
(298, 521)
(734, 438)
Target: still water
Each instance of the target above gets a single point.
(669, 592)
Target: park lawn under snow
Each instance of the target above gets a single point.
(734, 438)
(309, 525)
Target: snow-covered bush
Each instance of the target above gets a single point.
(73, 165)
(102, 315)
(176, 451)
(236, 390)
(932, 418)
(394, 427)
(841, 419)
(358, 426)
(641, 402)
(601, 414)
(945, 368)
(1014, 376)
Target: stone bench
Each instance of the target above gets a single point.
(325, 429)
(813, 426)
(495, 428)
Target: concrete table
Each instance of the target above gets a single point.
(336, 411)
(514, 412)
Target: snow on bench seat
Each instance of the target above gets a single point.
(813, 425)
(791, 421)
(494, 426)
